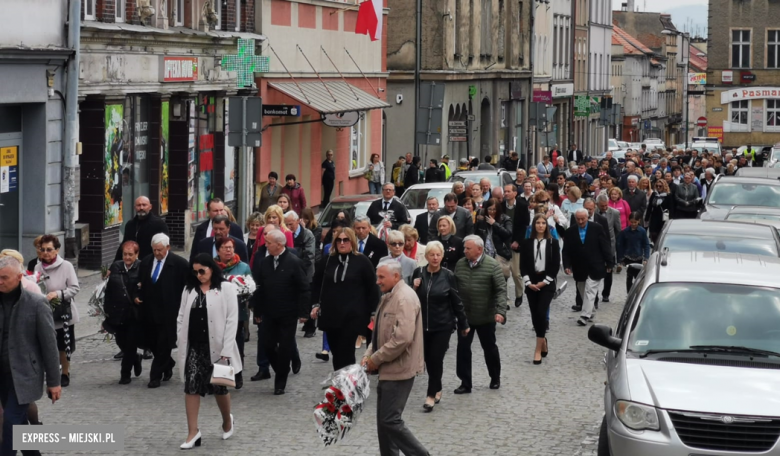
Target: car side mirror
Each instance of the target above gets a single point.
(602, 335)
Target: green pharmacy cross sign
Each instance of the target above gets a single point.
(245, 63)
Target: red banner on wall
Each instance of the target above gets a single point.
(206, 142)
(716, 132)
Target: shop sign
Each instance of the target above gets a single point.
(717, 109)
(697, 78)
(341, 119)
(563, 90)
(749, 94)
(178, 69)
(542, 96)
(245, 63)
(282, 110)
(9, 169)
(727, 76)
(581, 106)
(746, 77)
(716, 132)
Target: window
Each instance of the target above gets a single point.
(740, 48)
(89, 10)
(739, 115)
(238, 15)
(773, 49)
(178, 13)
(218, 10)
(119, 12)
(773, 113)
(359, 144)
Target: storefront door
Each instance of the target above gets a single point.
(10, 215)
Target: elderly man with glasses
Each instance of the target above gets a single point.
(388, 210)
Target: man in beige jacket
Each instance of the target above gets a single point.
(396, 351)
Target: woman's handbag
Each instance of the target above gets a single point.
(223, 375)
(61, 310)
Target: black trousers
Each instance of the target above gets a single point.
(161, 350)
(539, 304)
(310, 326)
(631, 274)
(607, 286)
(240, 340)
(342, 346)
(327, 189)
(435, 345)
(127, 341)
(279, 342)
(487, 338)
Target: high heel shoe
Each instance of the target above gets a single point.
(226, 435)
(195, 442)
(437, 398)
(537, 362)
(544, 353)
(429, 404)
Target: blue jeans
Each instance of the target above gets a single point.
(375, 187)
(262, 359)
(325, 346)
(14, 413)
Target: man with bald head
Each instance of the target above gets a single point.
(142, 228)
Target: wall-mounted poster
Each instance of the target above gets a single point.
(112, 212)
(164, 158)
(206, 169)
(230, 163)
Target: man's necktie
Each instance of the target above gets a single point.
(360, 247)
(387, 206)
(539, 249)
(156, 272)
(276, 263)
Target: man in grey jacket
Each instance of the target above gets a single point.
(464, 224)
(28, 348)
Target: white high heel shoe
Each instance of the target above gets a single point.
(226, 435)
(195, 442)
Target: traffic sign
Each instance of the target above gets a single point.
(701, 121)
(457, 123)
(458, 139)
(457, 131)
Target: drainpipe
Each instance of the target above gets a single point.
(70, 163)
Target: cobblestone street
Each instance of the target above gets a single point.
(552, 409)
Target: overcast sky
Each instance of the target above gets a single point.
(658, 5)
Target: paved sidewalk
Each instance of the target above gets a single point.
(545, 410)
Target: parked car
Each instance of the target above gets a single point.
(612, 144)
(653, 143)
(497, 178)
(760, 215)
(755, 171)
(693, 365)
(619, 155)
(701, 142)
(352, 205)
(728, 192)
(415, 198)
(772, 159)
(687, 235)
(763, 151)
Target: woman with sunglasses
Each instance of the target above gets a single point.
(658, 209)
(62, 286)
(395, 248)
(540, 260)
(345, 295)
(206, 334)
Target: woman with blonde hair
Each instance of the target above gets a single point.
(644, 185)
(27, 284)
(253, 224)
(273, 216)
(616, 201)
(453, 245)
(572, 202)
(412, 248)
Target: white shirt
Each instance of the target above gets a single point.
(208, 230)
(539, 255)
(162, 263)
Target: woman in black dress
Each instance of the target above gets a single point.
(540, 260)
(345, 295)
(206, 334)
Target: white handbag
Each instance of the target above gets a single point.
(223, 375)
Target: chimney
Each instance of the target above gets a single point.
(630, 6)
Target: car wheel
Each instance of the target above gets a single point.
(603, 449)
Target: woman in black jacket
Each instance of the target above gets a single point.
(540, 260)
(453, 245)
(345, 294)
(121, 310)
(440, 306)
(495, 229)
(658, 209)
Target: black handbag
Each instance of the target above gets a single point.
(62, 311)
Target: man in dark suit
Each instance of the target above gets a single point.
(464, 223)
(163, 276)
(576, 155)
(368, 244)
(220, 227)
(142, 228)
(423, 221)
(397, 213)
(594, 216)
(630, 171)
(280, 301)
(516, 207)
(587, 255)
(215, 207)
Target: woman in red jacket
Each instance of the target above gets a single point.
(295, 192)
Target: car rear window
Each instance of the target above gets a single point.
(745, 194)
(417, 198)
(698, 243)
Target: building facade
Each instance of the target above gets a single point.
(743, 74)
(599, 64)
(480, 52)
(562, 83)
(153, 97)
(581, 52)
(33, 63)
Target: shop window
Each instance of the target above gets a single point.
(739, 115)
(359, 144)
(133, 159)
(89, 10)
(740, 48)
(200, 176)
(773, 115)
(773, 49)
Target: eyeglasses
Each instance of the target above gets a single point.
(396, 244)
(49, 250)
(198, 272)
(342, 240)
(543, 201)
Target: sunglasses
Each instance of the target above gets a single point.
(396, 244)
(542, 201)
(49, 250)
(198, 272)
(342, 240)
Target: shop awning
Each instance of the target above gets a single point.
(338, 97)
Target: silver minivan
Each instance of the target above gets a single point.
(693, 366)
